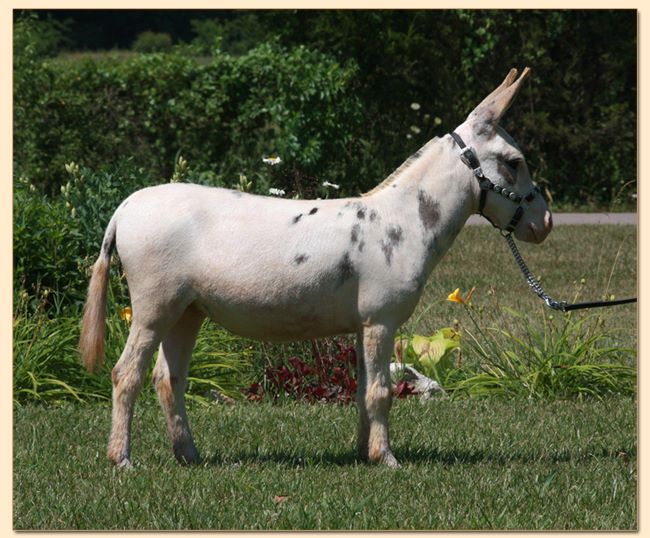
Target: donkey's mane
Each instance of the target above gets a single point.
(401, 169)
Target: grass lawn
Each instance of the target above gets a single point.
(466, 464)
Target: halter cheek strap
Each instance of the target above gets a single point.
(468, 156)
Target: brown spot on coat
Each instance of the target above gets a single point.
(354, 233)
(392, 241)
(428, 209)
(345, 269)
(300, 258)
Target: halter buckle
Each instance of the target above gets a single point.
(468, 157)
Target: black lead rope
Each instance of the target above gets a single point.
(551, 303)
(468, 156)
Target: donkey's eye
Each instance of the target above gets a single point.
(513, 163)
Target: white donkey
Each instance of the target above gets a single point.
(279, 270)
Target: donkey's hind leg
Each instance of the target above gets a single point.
(128, 375)
(170, 380)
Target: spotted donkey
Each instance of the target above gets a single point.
(280, 270)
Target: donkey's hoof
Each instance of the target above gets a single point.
(187, 456)
(390, 460)
(124, 464)
(119, 458)
(385, 458)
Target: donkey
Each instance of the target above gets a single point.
(279, 270)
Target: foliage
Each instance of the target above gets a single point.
(57, 238)
(39, 37)
(570, 357)
(46, 368)
(573, 121)
(221, 362)
(430, 355)
(234, 36)
(148, 41)
(223, 117)
(331, 377)
(332, 91)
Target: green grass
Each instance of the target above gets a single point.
(466, 464)
(605, 256)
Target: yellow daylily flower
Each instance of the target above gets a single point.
(455, 296)
(126, 314)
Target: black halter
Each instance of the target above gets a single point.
(468, 156)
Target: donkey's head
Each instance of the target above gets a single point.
(503, 165)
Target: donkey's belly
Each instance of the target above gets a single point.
(282, 322)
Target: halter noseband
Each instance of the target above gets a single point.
(468, 156)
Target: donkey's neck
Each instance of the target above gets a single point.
(435, 193)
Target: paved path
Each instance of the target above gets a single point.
(576, 218)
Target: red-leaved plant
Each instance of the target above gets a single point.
(331, 379)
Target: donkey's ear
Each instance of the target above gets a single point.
(495, 105)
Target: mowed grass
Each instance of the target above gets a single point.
(466, 464)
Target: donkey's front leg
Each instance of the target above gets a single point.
(374, 393)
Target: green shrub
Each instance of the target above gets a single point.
(223, 117)
(57, 238)
(573, 121)
(152, 42)
(41, 37)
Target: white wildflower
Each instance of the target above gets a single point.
(332, 185)
(272, 160)
(415, 106)
(415, 129)
(276, 192)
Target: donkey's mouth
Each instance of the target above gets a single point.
(535, 234)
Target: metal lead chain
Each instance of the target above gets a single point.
(532, 281)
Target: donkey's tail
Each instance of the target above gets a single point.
(93, 325)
